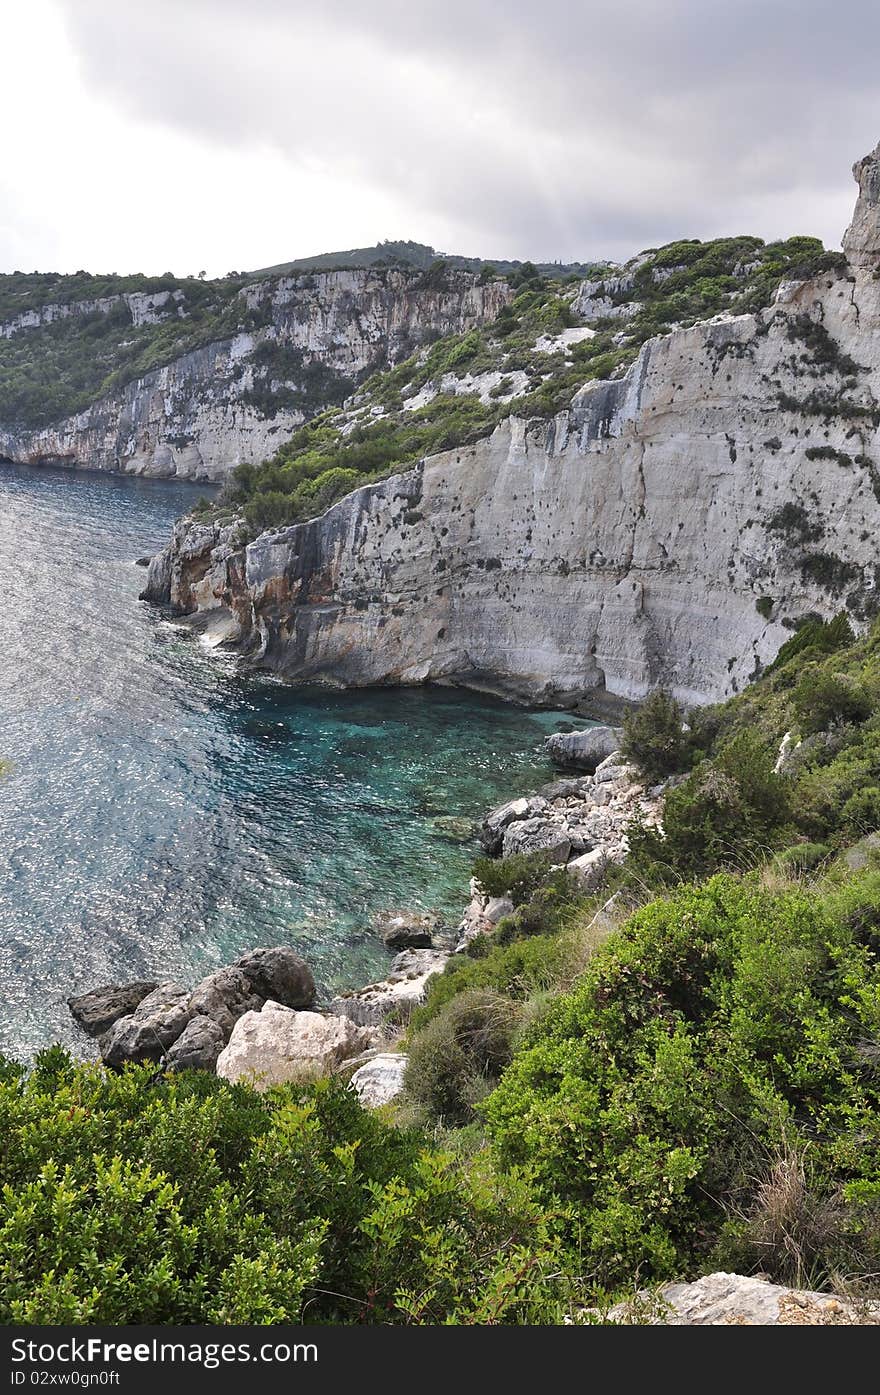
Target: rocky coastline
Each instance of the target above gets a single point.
(259, 1019)
(651, 533)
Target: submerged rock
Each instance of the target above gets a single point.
(97, 1010)
(453, 828)
(279, 1044)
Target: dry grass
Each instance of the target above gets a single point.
(791, 1228)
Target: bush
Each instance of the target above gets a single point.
(653, 739)
(129, 1199)
(728, 812)
(517, 970)
(517, 877)
(861, 812)
(717, 1029)
(822, 699)
(803, 857)
(459, 1056)
(823, 637)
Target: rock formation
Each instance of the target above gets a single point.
(277, 1045)
(167, 1022)
(200, 414)
(670, 527)
(738, 1300)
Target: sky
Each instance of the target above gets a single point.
(220, 135)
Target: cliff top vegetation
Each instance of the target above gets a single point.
(549, 342)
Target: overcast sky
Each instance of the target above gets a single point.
(213, 135)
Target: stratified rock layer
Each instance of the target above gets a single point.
(199, 416)
(670, 527)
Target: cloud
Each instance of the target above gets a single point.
(560, 130)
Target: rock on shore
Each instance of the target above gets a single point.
(278, 1045)
(580, 823)
(725, 1300)
(170, 1021)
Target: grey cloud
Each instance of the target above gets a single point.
(555, 129)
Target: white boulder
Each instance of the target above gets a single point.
(280, 1044)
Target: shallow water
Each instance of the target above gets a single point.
(164, 811)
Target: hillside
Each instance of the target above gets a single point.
(186, 379)
(607, 1090)
(649, 478)
(418, 255)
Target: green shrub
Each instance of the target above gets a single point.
(517, 877)
(822, 699)
(653, 736)
(764, 606)
(459, 1055)
(127, 1199)
(861, 812)
(716, 1030)
(517, 970)
(824, 637)
(803, 857)
(728, 812)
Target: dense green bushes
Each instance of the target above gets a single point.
(654, 738)
(718, 1033)
(136, 1199)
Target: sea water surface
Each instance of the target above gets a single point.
(164, 810)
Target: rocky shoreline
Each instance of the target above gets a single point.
(258, 1020)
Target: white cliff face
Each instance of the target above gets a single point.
(669, 527)
(200, 415)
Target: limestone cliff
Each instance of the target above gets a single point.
(669, 526)
(296, 342)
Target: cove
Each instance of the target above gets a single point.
(165, 810)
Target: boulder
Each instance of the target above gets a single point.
(613, 770)
(97, 1010)
(560, 789)
(198, 1046)
(406, 929)
(407, 937)
(380, 1080)
(393, 998)
(583, 750)
(587, 870)
(496, 908)
(280, 974)
(494, 824)
(724, 1300)
(537, 835)
(279, 1044)
(147, 1033)
(863, 853)
(224, 996)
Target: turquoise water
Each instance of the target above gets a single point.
(165, 811)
